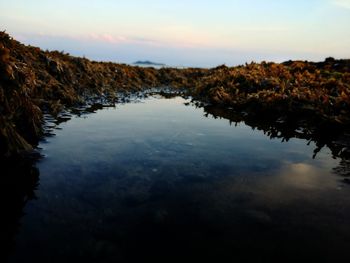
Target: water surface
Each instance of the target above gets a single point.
(160, 180)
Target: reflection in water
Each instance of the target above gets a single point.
(343, 169)
(19, 179)
(337, 139)
(157, 180)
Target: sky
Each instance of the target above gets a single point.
(200, 33)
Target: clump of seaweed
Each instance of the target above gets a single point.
(287, 87)
(33, 82)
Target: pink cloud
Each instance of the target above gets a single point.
(106, 38)
(112, 39)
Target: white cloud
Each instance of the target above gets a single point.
(262, 28)
(342, 3)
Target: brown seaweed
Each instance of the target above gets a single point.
(33, 82)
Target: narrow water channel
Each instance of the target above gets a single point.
(163, 180)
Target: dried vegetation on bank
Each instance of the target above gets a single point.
(33, 81)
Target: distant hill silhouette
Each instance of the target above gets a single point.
(147, 62)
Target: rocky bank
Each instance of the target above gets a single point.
(33, 82)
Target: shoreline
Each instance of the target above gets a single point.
(34, 82)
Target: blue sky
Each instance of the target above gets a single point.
(183, 32)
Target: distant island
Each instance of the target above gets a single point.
(148, 63)
(34, 82)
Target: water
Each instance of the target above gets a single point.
(164, 180)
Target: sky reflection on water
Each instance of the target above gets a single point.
(158, 180)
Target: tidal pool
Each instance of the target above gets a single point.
(162, 179)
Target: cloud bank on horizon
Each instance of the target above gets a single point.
(183, 32)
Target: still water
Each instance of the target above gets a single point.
(162, 180)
